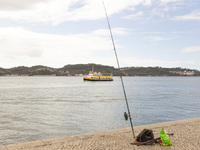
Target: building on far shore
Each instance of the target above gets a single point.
(184, 73)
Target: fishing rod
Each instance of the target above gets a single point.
(119, 70)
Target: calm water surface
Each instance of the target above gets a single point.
(34, 108)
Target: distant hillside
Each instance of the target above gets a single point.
(82, 69)
(158, 71)
(85, 68)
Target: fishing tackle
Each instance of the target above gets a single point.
(129, 114)
(164, 138)
(146, 137)
(125, 116)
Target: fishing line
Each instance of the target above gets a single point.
(119, 69)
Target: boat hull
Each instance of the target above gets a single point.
(97, 79)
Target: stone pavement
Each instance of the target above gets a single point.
(186, 137)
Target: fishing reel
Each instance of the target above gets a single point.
(125, 116)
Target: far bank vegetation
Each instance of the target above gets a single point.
(83, 69)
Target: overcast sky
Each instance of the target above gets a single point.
(55, 33)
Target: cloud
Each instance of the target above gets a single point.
(134, 16)
(21, 46)
(162, 8)
(169, 50)
(156, 38)
(115, 31)
(16, 5)
(159, 38)
(156, 62)
(56, 12)
(170, 1)
(147, 2)
(194, 15)
(121, 31)
(191, 49)
(18, 42)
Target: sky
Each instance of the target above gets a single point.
(54, 33)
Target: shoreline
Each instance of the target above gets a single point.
(186, 137)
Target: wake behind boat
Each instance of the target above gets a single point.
(94, 76)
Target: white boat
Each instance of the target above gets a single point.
(94, 76)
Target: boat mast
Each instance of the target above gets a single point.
(119, 70)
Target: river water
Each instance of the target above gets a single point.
(35, 108)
